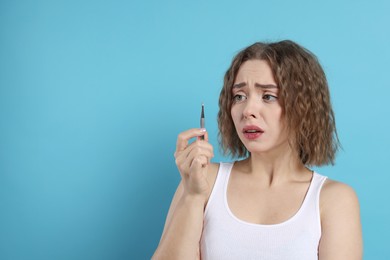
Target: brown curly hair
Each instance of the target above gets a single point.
(304, 97)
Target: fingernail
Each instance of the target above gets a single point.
(203, 130)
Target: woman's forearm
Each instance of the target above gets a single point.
(182, 235)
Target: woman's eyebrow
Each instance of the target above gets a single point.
(239, 85)
(265, 86)
(257, 85)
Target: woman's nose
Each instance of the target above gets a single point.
(251, 108)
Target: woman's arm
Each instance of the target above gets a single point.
(183, 228)
(184, 224)
(340, 221)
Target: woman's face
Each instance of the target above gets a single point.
(256, 109)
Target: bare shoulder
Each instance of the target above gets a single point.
(336, 194)
(340, 222)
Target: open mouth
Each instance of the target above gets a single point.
(252, 135)
(252, 130)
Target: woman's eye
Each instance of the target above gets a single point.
(268, 97)
(238, 98)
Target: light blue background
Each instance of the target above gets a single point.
(94, 93)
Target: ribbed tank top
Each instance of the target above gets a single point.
(227, 237)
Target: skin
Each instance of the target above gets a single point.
(272, 181)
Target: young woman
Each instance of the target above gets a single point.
(275, 112)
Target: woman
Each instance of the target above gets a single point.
(275, 112)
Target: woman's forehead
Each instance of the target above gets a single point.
(256, 71)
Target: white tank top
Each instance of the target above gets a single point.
(227, 237)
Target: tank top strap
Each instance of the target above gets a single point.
(216, 199)
(313, 193)
(310, 208)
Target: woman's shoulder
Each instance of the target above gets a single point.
(212, 172)
(213, 168)
(333, 188)
(340, 221)
(336, 196)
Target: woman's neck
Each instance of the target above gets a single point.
(274, 169)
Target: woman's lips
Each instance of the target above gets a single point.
(252, 132)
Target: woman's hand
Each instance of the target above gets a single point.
(184, 224)
(192, 160)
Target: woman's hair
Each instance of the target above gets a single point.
(304, 97)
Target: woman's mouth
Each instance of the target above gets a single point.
(252, 132)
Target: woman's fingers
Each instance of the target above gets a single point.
(196, 149)
(199, 151)
(192, 159)
(205, 136)
(198, 163)
(200, 148)
(184, 137)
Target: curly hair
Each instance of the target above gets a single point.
(304, 97)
